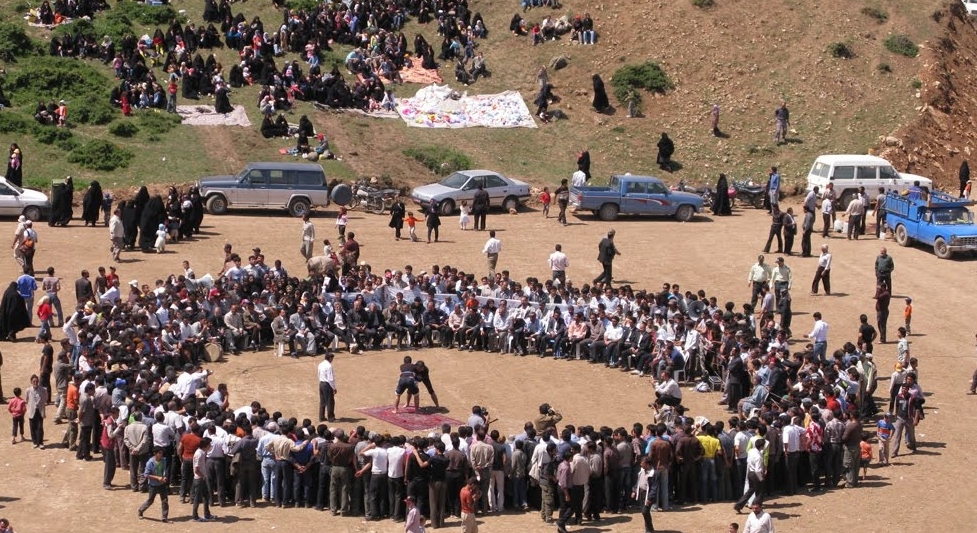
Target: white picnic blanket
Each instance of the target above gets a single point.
(205, 115)
(434, 107)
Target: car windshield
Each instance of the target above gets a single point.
(455, 181)
(15, 188)
(957, 215)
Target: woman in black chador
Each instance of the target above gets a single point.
(600, 95)
(130, 224)
(92, 204)
(61, 203)
(720, 202)
(13, 313)
(152, 216)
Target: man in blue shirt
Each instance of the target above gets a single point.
(773, 187)
(26, 286)
(155, 473)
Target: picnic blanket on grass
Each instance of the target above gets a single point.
(417, 74)
(434, 107)
(205, 115)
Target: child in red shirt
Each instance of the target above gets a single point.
(546, 199)
(18, 408)
(865, 447)
(412, 225)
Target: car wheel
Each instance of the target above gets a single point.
(608, 212)
(684, 213)
(447, 207)
(32, 213)
(510, 203)
(217, 205)
(844, 200)
(299, 207)
(902, 238)
(941, 249)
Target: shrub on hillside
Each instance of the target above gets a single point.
(440, 159)
(14, 123)
(878, 14)
(146, 14)
(703, 4)
(52, 78)
(158, 123)
(100, 155)
(898, 43)
(51, 135)
(123, 129)
(15, 43)
(840, 50)
(629, 80)
(884, 68)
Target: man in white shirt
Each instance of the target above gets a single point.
(377, 498)
(491, 250)
(327, 389)
(189, 381)
(559, 263)
(758, 277)
(758, 521)
(755, 472)
(578, 179)
(667, 390)
(823, 272)
(792, 448)
(819, 335)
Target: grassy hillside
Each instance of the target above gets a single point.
(735, 53)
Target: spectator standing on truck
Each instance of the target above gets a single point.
(782, 114)
(562, 194)
(964, 179)
(880, 213)
(605, 256)
(855, 211)
(884, 267)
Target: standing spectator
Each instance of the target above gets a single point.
(907, 314)
(201, 488)
(790, 230)
(776, 228)
(606, 251)
(84, 292)
(883, 268)
(855, 211)
(558, 263)
(480, 207)
(491, 250)
(880, 213)
(52, 286)
(29, 246)
(562, 194)
(823, 273)
(397, 212)
(882, 298)
(564, 481)
(17, 408)
(583, 165)
(810, 209)
(665, 150)
(755, 474)
(37, 399)
(600, 101)
(782, 115)
(15, 166)
(155, 474)
(116, 234)
(758, 277)
(308, 237)
(714, 120)
(26, 287)
(468, 495)
(327, 389)
(433, 221)
(883, 431)
(827, 211)
(852, 439)
(964, 179)
(545, 198)
(773, 187)
(819, 335)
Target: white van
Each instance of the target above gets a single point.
(849, 172)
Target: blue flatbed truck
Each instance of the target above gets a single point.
(934, 219)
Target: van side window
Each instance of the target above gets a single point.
(843, 173)
(276, 177)
(866, 173)
(821, 170)
(888, 173)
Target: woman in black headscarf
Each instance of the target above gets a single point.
(583, 163)
(665, 150)
(61, 203)
(720, 202)
(222, 101)
(964, 178)
(13, 313)
(305, 126)
(433, 220)
(600, 95)
(197, 210)
(130, 223)
(15, 163)
(91, 204)
(152, 216)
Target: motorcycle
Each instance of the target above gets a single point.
(373, 199)
(706, 193)
(749, 193)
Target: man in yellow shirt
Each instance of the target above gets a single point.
(712, 452)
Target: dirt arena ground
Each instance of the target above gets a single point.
(46, 490)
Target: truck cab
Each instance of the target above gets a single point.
(935, 219)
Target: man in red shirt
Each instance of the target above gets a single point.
(469, 495)
(189, 443)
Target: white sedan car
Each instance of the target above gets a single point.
(15, 201)
(504, 192)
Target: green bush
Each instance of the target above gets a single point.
(145, 14)
(916, 84)
(840, 50)
(15, 123)
(440, 159)
(630, 79)
(123, 129)
(898, 43)
(51, 135)
(15, 43)
(68, 144)
(82, 84)
(157, 123)
(80, 27)
(302, 5)
(884, 68)
(878, 14)
(100, 155)
(703, 4)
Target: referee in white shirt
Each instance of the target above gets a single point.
(327, 389)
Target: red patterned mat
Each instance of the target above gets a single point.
(408, 419)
